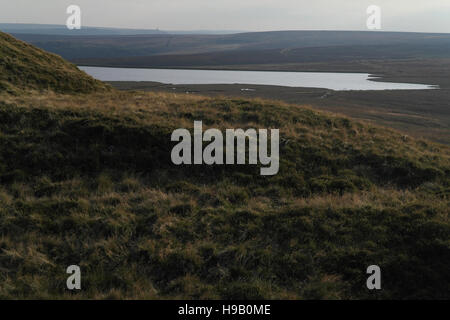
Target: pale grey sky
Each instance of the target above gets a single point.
(251, 15)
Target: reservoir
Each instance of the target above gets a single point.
(328, 80)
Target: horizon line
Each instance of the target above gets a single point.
(225, 30)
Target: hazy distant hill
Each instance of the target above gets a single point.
(258, 47)
(273, 56)
(53, 29)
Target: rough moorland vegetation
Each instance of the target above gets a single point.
(25, 67)
(86, 179)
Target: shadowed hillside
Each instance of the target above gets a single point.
(87, 179)
(25, 67)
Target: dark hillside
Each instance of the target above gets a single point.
(87, 179)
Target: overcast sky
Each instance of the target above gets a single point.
(251, 15)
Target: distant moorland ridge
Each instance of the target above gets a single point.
(360, 43)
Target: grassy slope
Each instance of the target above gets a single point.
(87, 180)
(23, 66)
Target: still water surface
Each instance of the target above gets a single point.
(329, 80)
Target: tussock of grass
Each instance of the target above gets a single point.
(88, 180)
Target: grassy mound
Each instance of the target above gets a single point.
(25, 67)
(88, 180)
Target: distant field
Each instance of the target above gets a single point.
(328, 55)
(286, 45)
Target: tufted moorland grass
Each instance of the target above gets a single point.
(87, 179)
